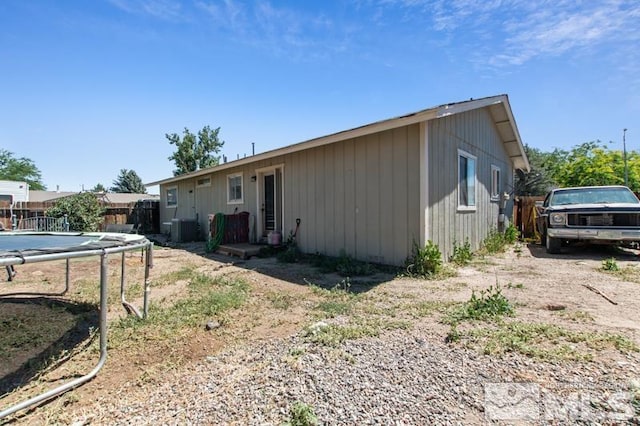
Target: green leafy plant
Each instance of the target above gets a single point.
(84, 212)
(462, 255)
(301, 414)
(490, 304)
(511, 234)
(610, 264)
(424, 262)
(291, 255)
(344, 265)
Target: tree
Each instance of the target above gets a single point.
(195, 153)
(83, 211)
(98, 188)
(20, 169)
(592, 163)
(539, 180)
(128, 181)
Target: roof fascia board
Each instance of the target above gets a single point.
(525, 160)
(457, 108)
(368, 129)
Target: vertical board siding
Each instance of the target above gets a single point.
(475, 133)
(362, 195)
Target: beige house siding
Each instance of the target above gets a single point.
(474, 133)
(374, 190)
(358, 195)
(353, 196)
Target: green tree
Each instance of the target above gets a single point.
(128, 181)
(98, 188)
(195, 152)
(592, 163)
(539, 180)
(84, 211)
(20, 169)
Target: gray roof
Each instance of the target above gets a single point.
(108, 197)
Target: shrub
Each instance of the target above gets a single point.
(511, 234)
(424, 262)
(83, 211)
(610, 264)
(461, 254)
(301, 414)
(490, 304)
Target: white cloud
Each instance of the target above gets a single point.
(169, 10)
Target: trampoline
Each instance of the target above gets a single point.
(17, 248)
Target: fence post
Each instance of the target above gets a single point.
(14, 222)
(65, 224)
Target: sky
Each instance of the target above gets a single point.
(88, 88)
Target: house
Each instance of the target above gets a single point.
(438, 174)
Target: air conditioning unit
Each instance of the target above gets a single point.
(184, 230)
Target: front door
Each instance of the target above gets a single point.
(269, 215)
(270, 190)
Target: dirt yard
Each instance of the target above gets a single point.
(570, 291)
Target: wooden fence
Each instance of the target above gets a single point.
(524, 215)
(145, 215)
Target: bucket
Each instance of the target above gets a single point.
(274, 238)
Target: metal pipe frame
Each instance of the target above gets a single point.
(103, 253)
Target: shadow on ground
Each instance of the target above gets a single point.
(315, 270)
(586, 252)
(39, 332)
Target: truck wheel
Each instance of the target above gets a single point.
(553, 244)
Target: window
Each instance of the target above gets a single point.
(172, 196)
(203, 182)
(234, 183)
(466, 181)
(495, 183)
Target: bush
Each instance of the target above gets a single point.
(610, 264)
(461, 254)
(83, 211)
(490, 304)
(424, 262)
(511, 234)
(301, 414)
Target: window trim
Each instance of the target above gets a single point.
(166, 192)
(205, 184)
(241, 199)
(496, 173)
(471, 207)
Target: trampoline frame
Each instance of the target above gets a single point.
(147, 250)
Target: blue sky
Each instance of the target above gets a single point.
(91, 87)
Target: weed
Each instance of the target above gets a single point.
(428, 308)
(424, 262)
(462, 255)
(296, 351)
(301, 414)
(519, 286)
(610, 264)
(334, 307)
(207, 297)
(548, 342)
(511, 234)
(576, 316)
(496, 242)
(280, 301)
(628, 273)
(489, 305)
(344, 265)
(291, 255)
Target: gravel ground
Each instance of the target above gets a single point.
(401, 378)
